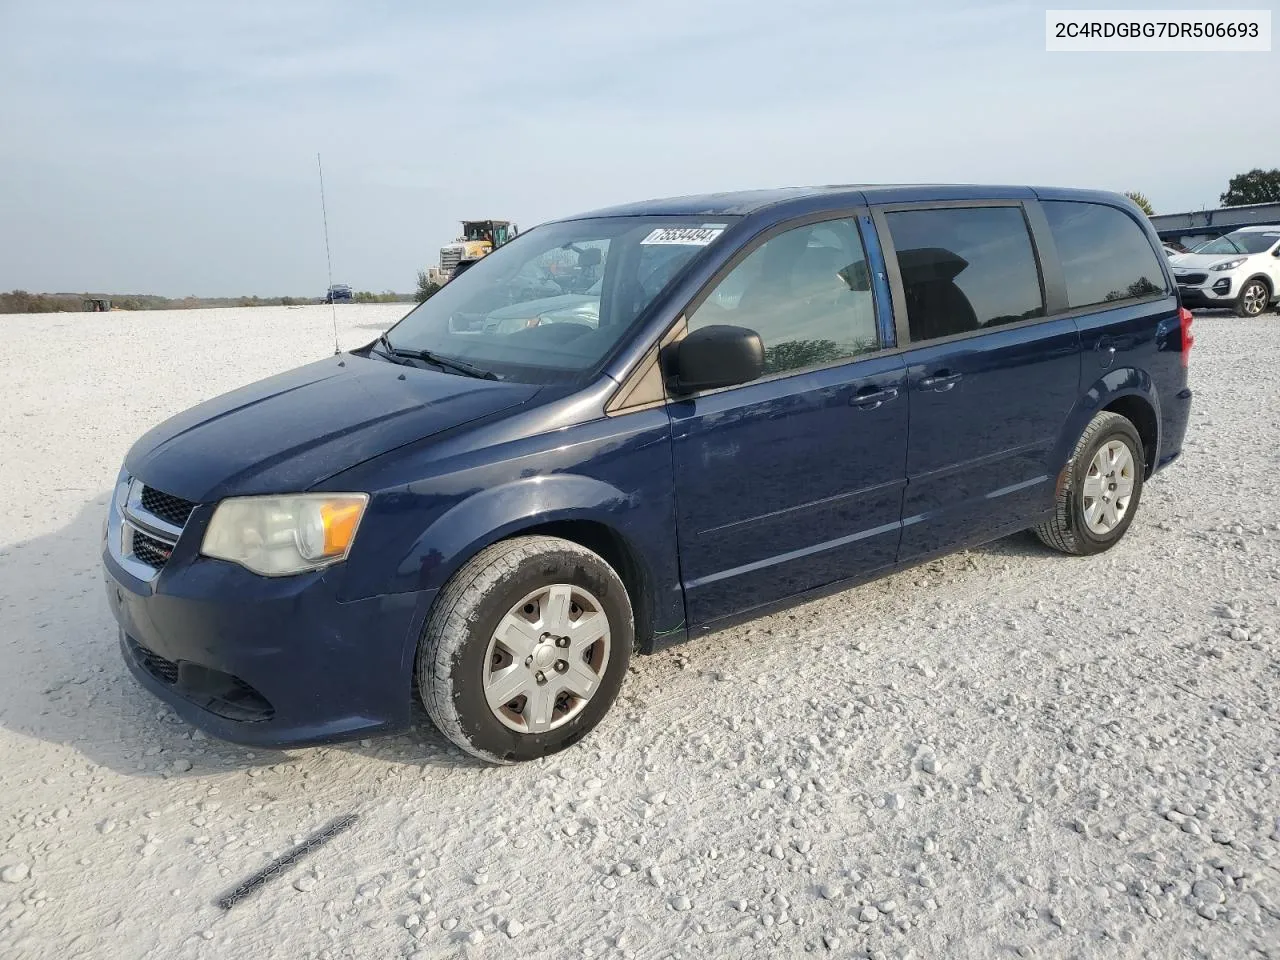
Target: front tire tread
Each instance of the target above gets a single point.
(450, 625)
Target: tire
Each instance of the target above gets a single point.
(1071, 529)
(527, 585)
(1254, 298)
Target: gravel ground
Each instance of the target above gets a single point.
(1005, 753)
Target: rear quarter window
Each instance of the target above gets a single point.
(1105, 256)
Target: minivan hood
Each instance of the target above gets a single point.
(289, 432)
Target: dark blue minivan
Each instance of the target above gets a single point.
(634, 425)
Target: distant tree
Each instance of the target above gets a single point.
(20, 301)
(793, 354)
(1142, 287)
(1141, 200)
(1256, 186)
(426, 288)
(287, 301)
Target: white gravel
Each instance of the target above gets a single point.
(1003, 753)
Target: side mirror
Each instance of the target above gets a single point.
(713, 357)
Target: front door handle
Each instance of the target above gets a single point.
(941, 381)
(868, 398)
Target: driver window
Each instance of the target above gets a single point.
(806, 292)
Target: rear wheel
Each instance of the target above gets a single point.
(525, 649)
(1254, 297)
(1103, 486)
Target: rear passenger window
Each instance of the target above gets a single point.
(806, 292)
(965, 269)
(1105, 255)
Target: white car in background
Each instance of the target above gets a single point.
(1240, 271)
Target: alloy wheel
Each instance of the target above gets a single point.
(1254, 299)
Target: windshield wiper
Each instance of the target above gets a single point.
(388, 351)
(445, 363)
(404, 354)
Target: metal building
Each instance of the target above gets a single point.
(1197, 226)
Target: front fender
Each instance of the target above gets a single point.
(1111, 386)
(501, 512)
(494, 514)
(436, 508)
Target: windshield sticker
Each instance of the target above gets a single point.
(684, 236)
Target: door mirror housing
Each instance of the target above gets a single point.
(712, 357)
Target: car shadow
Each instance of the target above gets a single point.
(64, 681)
(1024, 544)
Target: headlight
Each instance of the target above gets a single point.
(1228, 264)
(279, 536)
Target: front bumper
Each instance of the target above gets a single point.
(1215, 292)
(273, 662)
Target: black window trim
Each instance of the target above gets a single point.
(1053, 287)
(856, 214)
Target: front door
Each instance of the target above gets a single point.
(794, 481)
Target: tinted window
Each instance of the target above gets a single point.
(806, 292)
(1105, 255)
(965, 268)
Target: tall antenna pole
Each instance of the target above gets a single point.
(333, 308)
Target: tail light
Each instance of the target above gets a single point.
(1188, 338)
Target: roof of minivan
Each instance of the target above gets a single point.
(744, 202)
(1259, 228)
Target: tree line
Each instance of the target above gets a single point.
(1253, 186)
(20, 301)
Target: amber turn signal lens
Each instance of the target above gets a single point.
(340, 522)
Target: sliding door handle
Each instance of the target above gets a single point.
(940, 381)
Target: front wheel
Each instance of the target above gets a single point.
(525, 649)
(1103, 486)
(1253, 299)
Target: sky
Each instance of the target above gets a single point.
(170, 148)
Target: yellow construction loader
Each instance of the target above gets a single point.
(479, 239)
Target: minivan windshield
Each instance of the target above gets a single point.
(553, 303)
(1242, 241)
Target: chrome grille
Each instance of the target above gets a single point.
(146, 524)
(449, 259)
(166, 506)
(150, 550)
